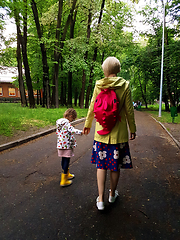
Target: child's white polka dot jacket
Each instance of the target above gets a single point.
(65, 131)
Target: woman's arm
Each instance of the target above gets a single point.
(130, 114)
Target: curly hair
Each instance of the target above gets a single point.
(70, 111)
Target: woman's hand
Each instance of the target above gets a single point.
(132, 136)
(86, 131)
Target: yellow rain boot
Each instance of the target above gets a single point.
(64, 180)
(70, 176)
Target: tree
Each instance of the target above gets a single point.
(23, 42)
(153, 55)
(55, 94)
(44, 56)
(58, 53)
(81, 99)
(94, 59)
(72, 24)
(20, 73)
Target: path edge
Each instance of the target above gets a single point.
(177, 143)
(34, 136)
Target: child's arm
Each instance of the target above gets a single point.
(74, 130)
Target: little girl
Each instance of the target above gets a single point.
(66, 142)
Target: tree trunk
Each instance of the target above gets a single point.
(102, 60)
(72, 24)
(43, 51)
(28, 77)
(94, 59)
(90, 80)
(38, 93)
(55, 93)
(81, 97)
(61, 98)
(65, 94)
(57, 54)
(40, 98)
(142, 92)
(37, 100)
(75, 97)
(82, 93)
(166, 103)
(23, 41)
(69, 89)
(25, 59)
(20, 74)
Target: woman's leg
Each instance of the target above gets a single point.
(101, 179)
(65, 164)
(114, 178)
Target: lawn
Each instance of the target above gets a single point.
(165, 116)
(13, 117)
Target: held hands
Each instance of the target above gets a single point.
(86, 131)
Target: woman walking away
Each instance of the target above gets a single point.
(112, 107)
(66, 142)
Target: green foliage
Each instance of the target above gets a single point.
(141, 62)
(153, 107)
(14, 117)
(8, 57)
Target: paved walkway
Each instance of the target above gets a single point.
(33, 206)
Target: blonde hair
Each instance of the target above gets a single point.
(111, 65)
(70, 111)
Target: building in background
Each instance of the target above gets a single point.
(8, 91)
(7, 88)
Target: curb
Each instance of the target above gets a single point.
(34, 136)
(177, 143)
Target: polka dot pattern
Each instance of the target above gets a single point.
(111, 156)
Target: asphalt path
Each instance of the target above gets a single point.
(34, 206)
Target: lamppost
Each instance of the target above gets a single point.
(162, 59)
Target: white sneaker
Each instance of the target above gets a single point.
(112, 199)
(100, 205)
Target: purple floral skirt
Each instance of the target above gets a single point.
(111, 156)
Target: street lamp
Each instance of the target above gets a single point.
(161, 81)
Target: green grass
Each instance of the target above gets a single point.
(13, 117)
(165, 116)
(154, 107)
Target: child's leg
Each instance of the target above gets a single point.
(114, 178)
(64, 176)
(101, 179)
(65, 164)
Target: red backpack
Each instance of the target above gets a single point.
(106, 109)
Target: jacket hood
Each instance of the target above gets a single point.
(62, 121)
(111, 82)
